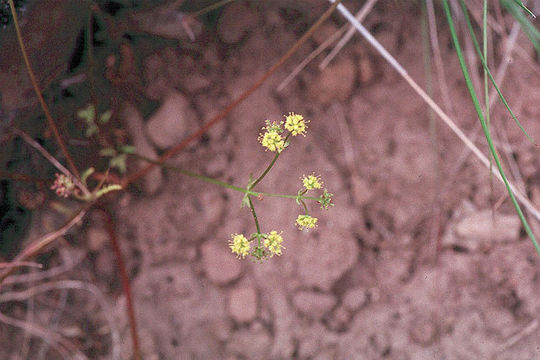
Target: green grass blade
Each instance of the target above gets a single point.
(524, 8)
(486, 69)
(480, 115)
(532, 33)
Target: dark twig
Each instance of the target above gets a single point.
(37, 90)
(124, 278)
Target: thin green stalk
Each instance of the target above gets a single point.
(480, 115)
(486, 68)
(252, 208)
(486, 91)
(524, 8)
(526, 25)
(269, 166)
(222, 183)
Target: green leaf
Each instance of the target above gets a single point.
(88, 113)
(245, 200)
(91, 129)
(127, 149)
(86, 174)
(119, 162)
(105, 117)
(108, 152)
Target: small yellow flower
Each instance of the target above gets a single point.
(273, 243)
(296, 124)
(272, 140)
(306, 221)
(312, 182)
(239, 245)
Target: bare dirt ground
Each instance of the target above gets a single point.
(411, 263)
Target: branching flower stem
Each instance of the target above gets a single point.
(224, 184)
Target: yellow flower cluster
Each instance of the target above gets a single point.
(239, 245)
(306, 221)
(296, 124)
(273, 243)
(312, 182)
(272, 140)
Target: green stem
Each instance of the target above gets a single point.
(486, 92)
(222, 183)
(252, 208)
(269, 166)
(305, 206)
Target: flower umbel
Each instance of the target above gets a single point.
(273, 243)
(272, 140)
(239, 245)
(306, 222)
(296, 124)
(312, 182)
(325, 200)
(63, 185)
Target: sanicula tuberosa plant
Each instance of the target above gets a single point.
(276, 138)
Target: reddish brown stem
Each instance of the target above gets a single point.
(35, 248)
(221, 115)
(37, 90)
(124, 278)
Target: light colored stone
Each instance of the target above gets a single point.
(336, 81)
(251, 343)
(172, 122)
(156, 81)
(366, 70)
(423, 330)
(312, 304)
(243, 303)
(196, 82)
(482, 227)
(361, 191)
(97, 238)
(235, 21)
(220, 265)
(134, 122)
(327, 258)
(354, 299)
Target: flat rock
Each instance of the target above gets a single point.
(220, 265)
(336, 81)
(251, 343)
(134, 121)
(327, 258)
(172, 122)
(243, 303)
(484, 226)
(313, 304)
(480, 229)
(355, 298)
